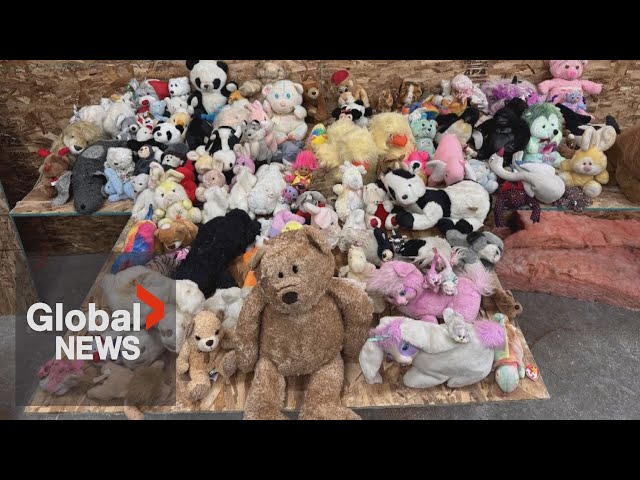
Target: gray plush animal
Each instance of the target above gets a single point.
(129, 128)
(476, 247)
(455, 352)
(253, 135)
(88, 177)
(287, 152)
(63, 187)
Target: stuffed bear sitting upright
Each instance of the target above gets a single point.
(209, 79)
(283, 101)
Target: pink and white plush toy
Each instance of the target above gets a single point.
(404, 286)
(448, 164)
(256, 112)
(566, 79)
(326, 219)
(283, 101)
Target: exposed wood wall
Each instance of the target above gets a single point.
(36, 97)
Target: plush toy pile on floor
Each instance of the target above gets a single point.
(246, 211)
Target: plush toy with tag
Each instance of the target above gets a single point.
(56, 176)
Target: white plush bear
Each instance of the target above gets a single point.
(230, 300)
(178, 104)
(350, 191)
(283, 102)
(378, 206)
(179, 87)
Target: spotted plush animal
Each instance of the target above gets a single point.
(575, 199)
(511, 196)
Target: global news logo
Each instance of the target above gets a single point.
(84, 346)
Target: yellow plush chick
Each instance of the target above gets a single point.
(393, 137)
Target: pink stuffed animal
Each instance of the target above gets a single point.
(281, 218)
(566, 78)
(402, 285)
(416, 163)
(258, 113)
(242, 161)
(326, 219)
(448, 164)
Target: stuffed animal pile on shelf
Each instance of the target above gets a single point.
(242, 209)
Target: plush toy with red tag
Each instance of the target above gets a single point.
(56, 176)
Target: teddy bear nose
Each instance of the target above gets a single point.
(209, 343)
(404, 197)
(77, 148)
(555, 131)
(290, 297)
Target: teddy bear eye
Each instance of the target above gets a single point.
(288, 95)
(197, 337)
(566, 66)
(280, 275)
(277, 96)
(217, 332)
(295, 269)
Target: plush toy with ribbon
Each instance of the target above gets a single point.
(56, 176)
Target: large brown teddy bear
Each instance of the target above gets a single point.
(623, 163)
(298, 320)
(201, 356)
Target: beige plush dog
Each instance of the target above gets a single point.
(76, 137)
(201, 357)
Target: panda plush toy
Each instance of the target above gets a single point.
(209, 79)
(462, 206)
(355, 111)
(168, 133)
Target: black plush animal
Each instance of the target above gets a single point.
(218, 242)
(354, 111)
(144, 153)
(505, 130)
(197, 131)
(88, 179)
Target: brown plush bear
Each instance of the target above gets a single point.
(298, 320)
(55, 172)
(623, 163)
(200, 355)
(314, 102)
(174, 234)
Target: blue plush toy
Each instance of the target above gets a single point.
(424, 131)
(119, 169)
(157, 108)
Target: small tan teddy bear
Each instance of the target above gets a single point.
(200, 355)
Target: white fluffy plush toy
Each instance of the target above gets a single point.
(263, 197)
(350, 191)
(189, 302)
(283, 101)
(238, 198)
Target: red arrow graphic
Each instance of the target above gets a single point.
(157, 306)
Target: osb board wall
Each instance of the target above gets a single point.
(83, 234)
(36, 97)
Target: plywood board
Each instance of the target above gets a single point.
(357, 393)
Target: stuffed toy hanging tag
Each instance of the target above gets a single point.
(532, 372)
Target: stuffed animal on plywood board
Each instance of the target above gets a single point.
(295, 280)
(55, 180)
(202, 356)
(314, 101)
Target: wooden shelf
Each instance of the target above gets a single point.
(611, 199)
(357, 393)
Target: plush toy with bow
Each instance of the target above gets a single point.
(56, 176)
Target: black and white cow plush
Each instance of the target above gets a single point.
(462, 206)
(209, 79)
(220, 146)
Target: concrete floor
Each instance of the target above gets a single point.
(588, 354)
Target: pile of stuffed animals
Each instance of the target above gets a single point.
(279, 228)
